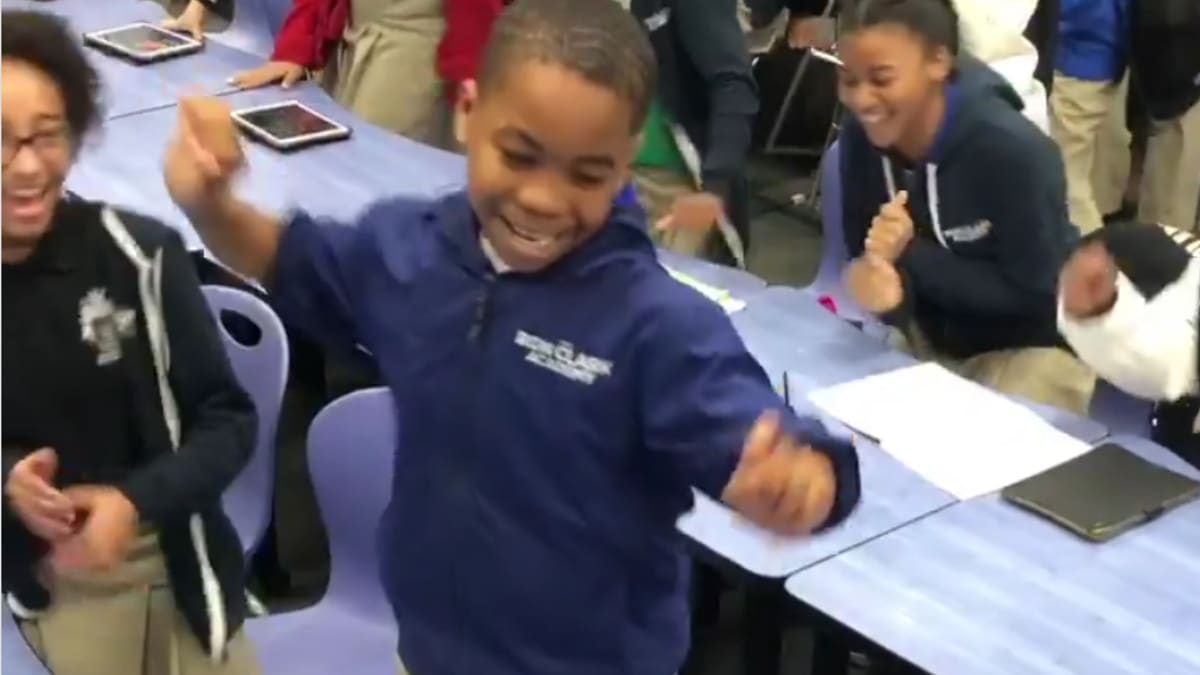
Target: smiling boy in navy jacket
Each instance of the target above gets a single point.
(559, 394)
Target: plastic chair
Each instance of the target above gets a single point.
(833, 245)
(1122, 413)
(262, 370)
(17, 656)
(351, 446)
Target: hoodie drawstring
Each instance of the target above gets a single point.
(931, 190)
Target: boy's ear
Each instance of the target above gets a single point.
(468, 98)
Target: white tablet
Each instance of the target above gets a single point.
(289, 125)
(142, 42)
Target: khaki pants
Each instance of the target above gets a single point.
(1044, 375)
(1087, 121)
(1170, 188)
(385, 68)
(124, 622)
(657, 190)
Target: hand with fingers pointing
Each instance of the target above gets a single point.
(191, 21)
(779, 484)
(891, 229)
(29, 489)
(285, 73)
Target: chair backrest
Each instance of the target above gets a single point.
(261, 369)
(17, 656)
(351, 451)
(253, 28)
(1122, 413)
(833, 245)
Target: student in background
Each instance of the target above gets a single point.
(1129, 302)
(560, 393)
(690, 170)
(376, 58)
(1165, 59)
(123, 423)
(954, 204)
(1087, 107)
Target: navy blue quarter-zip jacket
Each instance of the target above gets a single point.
(552, 426)
(989, 210)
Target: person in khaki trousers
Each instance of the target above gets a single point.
(956, 236)
(1165, 59)
(1087, 107)
(123, 422)
(383, 68)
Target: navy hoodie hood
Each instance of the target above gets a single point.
(552, 427)
(989, 210)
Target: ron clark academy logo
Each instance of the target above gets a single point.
(562, 358)
(103, 325)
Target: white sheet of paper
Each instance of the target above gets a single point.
(958, 435)
(718, 295)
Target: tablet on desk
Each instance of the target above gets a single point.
(1103, 493)
(289, 125)
(143, 42)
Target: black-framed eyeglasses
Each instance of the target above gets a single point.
(44, 143)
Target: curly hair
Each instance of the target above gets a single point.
(599, 40)
(45, 42)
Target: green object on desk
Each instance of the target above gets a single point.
(718, 295)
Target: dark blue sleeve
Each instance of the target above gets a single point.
(1022, 191)
(701, 394)
(710, 35)
(313, 286)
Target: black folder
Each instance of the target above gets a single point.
(1103, 493)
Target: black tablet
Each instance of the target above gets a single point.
(289, 125)
(1103, 493)
(142, 42)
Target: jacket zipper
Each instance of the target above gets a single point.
(477, 334)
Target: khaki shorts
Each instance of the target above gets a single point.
(124, 622)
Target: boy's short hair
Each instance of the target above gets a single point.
(45, 42)
(598, 39)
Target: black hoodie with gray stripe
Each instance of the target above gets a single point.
(190, 430)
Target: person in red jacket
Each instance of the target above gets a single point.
(468, 24)
(375, 57)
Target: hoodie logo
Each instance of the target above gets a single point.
(658, 19)
(561, 357)
(965, 234)
(103, 325)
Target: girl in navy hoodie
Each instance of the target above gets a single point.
(559, 393)
(954, 204)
